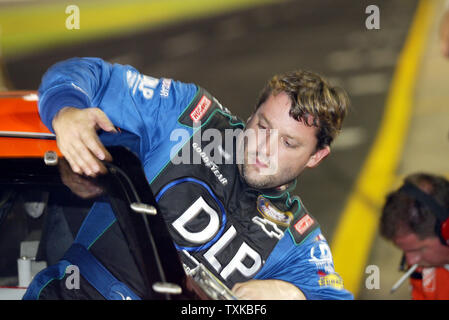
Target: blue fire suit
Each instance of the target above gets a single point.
(238, 232)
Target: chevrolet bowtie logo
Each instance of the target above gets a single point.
(269, 227)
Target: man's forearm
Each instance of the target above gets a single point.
(267, 290)
(75, 82)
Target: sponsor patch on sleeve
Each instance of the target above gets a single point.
(201, 108)
(332, 280)
(303, 224)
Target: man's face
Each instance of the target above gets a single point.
(428, 252)
(277, 148)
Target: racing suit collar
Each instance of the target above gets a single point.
(276, 192)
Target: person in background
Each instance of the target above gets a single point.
(444, 32)
(416, 219)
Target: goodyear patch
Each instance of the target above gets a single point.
(331, 280)
(273, 214)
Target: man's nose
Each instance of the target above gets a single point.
(267, 139)
(262, 142)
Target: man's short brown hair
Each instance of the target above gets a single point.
(402, 214)
(311, 95)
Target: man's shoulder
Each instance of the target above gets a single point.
(203, 107)
(304, 225)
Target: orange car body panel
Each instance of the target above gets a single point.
(19, 116)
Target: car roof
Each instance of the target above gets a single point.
(22, 134)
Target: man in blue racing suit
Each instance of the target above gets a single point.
(234, 212)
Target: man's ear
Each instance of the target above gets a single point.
(318, 156)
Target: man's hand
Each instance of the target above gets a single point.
(76, 135)
(444, 34)
(267, 290)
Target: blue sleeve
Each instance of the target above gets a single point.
(145, 106)
(77, 82)
(309, 266)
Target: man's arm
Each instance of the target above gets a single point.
(77, 82)
(306, 266)
(267, 290)
(77, 138)
(79, 96)
(67, 94)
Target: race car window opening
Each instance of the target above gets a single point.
(147, 228)
(29, 192)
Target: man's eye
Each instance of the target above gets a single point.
(289, 143)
